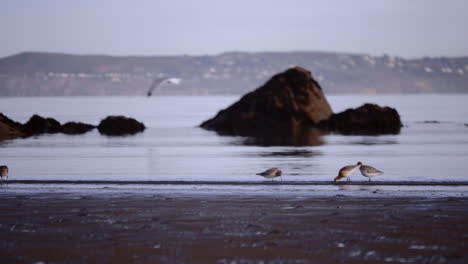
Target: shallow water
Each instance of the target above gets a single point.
(174, 148)
(50, 190)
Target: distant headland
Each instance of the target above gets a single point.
(53, 74)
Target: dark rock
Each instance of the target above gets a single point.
(288, 110)
(39, 125)
(74, 128)
(288, 102)
(120, 125)
(10, 129)
(368, 119)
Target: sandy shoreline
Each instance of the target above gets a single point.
(230, 227)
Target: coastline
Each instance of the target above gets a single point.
(231, 225)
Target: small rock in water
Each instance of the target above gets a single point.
(75, 128)
(120, 125)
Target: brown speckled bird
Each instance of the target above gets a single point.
(3, 172)
(271, 173)
(347, 171)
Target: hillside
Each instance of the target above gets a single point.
(50, 74)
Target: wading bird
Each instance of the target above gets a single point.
(3, 172)
(347, 171)
(369, 171)
(271, 174)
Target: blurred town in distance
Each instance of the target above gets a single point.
(231, 73)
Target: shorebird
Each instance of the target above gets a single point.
(369, 171)
(346, 171)
(3, 172)
(271, 173)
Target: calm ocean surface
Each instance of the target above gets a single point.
(174, 148)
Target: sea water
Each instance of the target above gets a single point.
(432, 145)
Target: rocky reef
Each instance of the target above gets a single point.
(290, 105)
(36, 125)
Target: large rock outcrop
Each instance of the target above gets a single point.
(288, 102)
(291, 109)
(119, 126)
(368, 119)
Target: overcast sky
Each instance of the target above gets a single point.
(407, 28)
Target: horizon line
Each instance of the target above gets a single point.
(229, 52)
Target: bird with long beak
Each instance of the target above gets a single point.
(346, 171)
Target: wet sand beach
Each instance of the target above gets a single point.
(230, 227)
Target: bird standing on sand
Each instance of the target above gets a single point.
(369, 171)
(347, 171)
(3, 172)
(271, 173)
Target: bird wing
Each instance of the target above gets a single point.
(174, 80)
(348, 169)
(370, 169)
(269, 172)
(155, 84)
